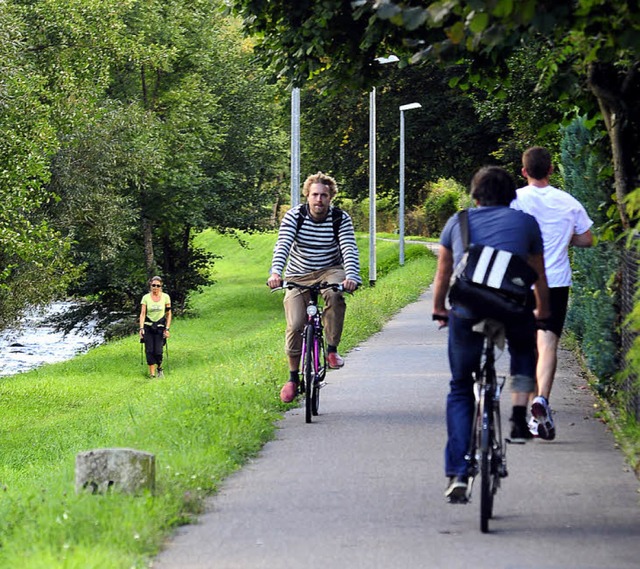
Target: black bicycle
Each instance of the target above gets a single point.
(487, 454)
(314, 357)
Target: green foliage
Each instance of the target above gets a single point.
(592, 313)
(126, 126)
(217, 406)
(445, 138)
(444, 198)
(34, 263)
(591, 55)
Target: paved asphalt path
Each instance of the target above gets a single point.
(362, 487)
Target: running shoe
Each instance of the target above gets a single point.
(456, 492)
(542, 413)
(160, 372)
(533, 427)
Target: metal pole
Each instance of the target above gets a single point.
(372, 175)
(295, 146)
(401, 205)
(372, 187)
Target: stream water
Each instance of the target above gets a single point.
(34, 343)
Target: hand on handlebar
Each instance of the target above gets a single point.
(443, 319)
(349, 285)
(274, 281)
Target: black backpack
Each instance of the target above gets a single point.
(337, 220)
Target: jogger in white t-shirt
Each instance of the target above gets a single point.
(563, 222)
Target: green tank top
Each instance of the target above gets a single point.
(155, 309)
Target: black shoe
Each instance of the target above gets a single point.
(520, 433)
(456, 492)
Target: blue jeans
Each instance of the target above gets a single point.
(465, 350)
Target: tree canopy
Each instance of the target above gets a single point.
(591, 62)
(126, 126)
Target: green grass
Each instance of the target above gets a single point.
(216, 407)
(394, 236)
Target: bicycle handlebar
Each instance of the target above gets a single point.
(337, 287)
(317, 287)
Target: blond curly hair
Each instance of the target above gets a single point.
(323, 179)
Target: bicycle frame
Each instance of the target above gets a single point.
(314, 365)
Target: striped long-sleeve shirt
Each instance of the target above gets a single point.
(315, 247)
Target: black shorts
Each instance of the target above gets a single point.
(558, 303)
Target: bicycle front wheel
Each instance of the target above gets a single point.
(308, 373)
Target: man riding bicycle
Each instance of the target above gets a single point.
(316, 242)
(493, 224)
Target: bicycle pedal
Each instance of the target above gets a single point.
(321, 384)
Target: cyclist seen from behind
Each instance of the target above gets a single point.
(495, 224)
(316, 243)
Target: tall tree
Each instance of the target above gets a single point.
(34, 258)
(160, 125)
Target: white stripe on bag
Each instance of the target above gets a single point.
(499, 269)
(483, 264)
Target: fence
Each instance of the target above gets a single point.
(629, 275)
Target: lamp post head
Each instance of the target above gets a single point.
(410, 106)
(391, 59)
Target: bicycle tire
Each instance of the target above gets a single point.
(315, 400)
(307, 373)
(486, 449)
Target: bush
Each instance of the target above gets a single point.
(444, 198)
(592, 314)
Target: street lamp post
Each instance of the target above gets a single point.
(403, 108)
(295, 146)
(372, 175)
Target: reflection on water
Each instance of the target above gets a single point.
(35, 344)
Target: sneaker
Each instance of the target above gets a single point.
(533, 427)
(456, 492)
(160, 372)
(288, 392)
(520, 433)
(542, 413)
(334, 361)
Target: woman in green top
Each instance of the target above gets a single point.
(155, 319)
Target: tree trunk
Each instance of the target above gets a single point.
(615, 95)
(149, 258)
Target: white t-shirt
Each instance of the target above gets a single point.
(559, 216)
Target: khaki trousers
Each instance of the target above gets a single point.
(295, 309)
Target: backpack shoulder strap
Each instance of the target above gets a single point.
(337, 220)
(463, 218)
(302, 213)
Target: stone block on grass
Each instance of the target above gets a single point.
(115, 469)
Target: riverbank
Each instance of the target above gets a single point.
(216, 407)
(35, 342)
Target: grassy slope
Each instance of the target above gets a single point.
(216, 407)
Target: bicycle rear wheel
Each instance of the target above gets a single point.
(308, 373)
(486, 452)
